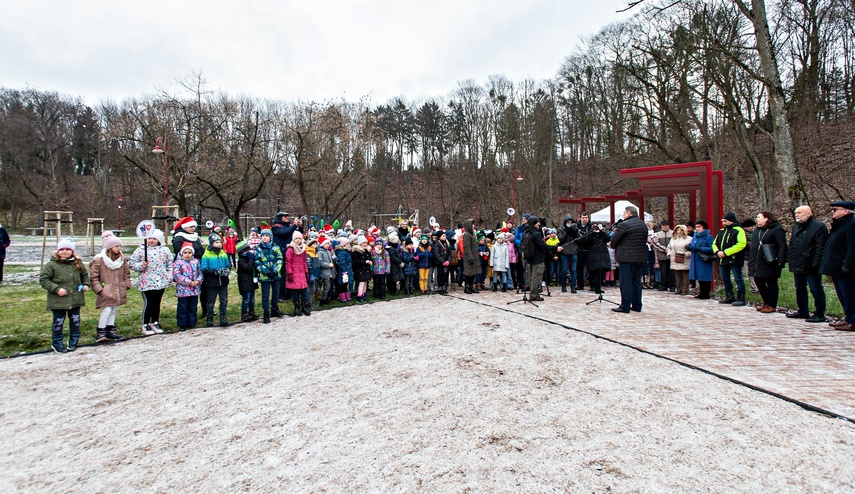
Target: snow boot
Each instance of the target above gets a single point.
(740, 300)
(111, 333)
(728, 299)
(101, 335)
(266, 319)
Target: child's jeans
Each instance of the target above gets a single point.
(185, 311)
(247, 302)
(500, 278)
(214, 292)
(73, 326)
(269, 290)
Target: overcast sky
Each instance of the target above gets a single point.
(289, 49)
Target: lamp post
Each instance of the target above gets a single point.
(162, 150)
(516, 176)
(119, 213)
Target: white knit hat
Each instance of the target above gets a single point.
(66, 243)
(158, 234)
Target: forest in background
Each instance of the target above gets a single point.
(679, 82)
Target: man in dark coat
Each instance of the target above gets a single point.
(838, 260)
(568, 252)
(537, 261)
(584, 227)
(630, 244)
(283, 232)
(804, 255)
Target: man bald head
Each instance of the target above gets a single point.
(803, 213)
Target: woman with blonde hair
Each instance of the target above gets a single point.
(680, 258)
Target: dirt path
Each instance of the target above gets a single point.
(419, 395)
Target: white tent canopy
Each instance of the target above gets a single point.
(604, 215)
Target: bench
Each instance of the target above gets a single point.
(40, 231)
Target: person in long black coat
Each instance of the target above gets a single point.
(838, 260)
(599, 260)
(804, 255)
(396, 264)
(630, 244)
(767, 271)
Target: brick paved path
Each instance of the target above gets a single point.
(809, 363)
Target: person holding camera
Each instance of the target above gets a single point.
(283, 232)
(568, 251)
(599, 259)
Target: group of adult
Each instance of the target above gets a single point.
(811, 253)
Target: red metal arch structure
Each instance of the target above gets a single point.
(698, 181)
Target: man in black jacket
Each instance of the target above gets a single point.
(630, 244)
(838, 260)
(804, 255)
(537, 261)
(568, 251)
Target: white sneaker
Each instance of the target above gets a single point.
(155, 326)
(147, 330)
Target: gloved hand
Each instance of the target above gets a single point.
(416, 258)
(312, 278)
(289, 278)
(446, 263)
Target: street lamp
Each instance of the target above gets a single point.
(119, 213)
(516, 176)
(162, 150)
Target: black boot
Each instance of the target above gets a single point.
(728, 299)
(306, 309)
(297, 311)
(276, 312)
(740, 300)
(266, 319)
(111, 333)
(101, 335)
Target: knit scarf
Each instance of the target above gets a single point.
(111, 264)
(298, 249)
(190, 237)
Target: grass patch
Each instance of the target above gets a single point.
(787, 295)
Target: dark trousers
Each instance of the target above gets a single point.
(269, 293)
(391, 286)
(725, 271)
(185, 311)
(630, 285)
(151, 305)
(59, 317)
(247, 302)
(845, 288)
(814, 282)
(379, 285)
(299, 296)
(214, 292)
(768, 288)
(2, 261)
(667, 276)
(597, 281)
(582, 265)
(567, 264)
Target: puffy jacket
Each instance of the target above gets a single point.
(396, 271)
(599, 258)
(732, 241)
(184, 273)
(182, 236)
(804, 255)
(410, 268)
(567, 236)
(158, 274)
(380, 262)
(499, 257)
(360, 258)
(345, 264)
(757, 264)
(630, 241)
(216, 267)
(698, 268)
(296, 268)
(441, 253)
(425, 256)
(110, 283)
(268, 262)
(246, 272)
(326, 262)
(61, 273)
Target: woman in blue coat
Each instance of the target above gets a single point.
(345, 270)
(700, 270)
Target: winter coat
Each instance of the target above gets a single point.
(499, 257)
(410, 268)
(567, 236)
(661, 239)
(184, 273)
(771, 235)
(283, 233)
(425, 256)
(540, 247)
(839, 253)
(678, 246)
(326, 262)
(380, 262)
(313, 262)
(441, 253)
(253, 241)
(513, 255)
(699, 269)
(268, 262)
(110, 280)
(296, 268)
(599, 258)
(61, 273)
(216, 267)
(630, 241)
(4, 242)
(483, 253)
(396, 270)
(345, 264)
(732, 241)
(360, 258)
(246, 272)
(807, 244)
(471, 266)
(230, 244)
(181, 236)
(158, 274)
(518, 236)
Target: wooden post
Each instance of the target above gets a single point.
(58, 219)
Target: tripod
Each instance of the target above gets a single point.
(600, 298)
(523, 287)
